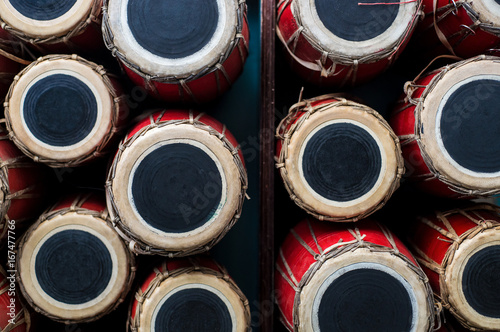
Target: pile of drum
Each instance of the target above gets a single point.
(176, 179)
(343, 268)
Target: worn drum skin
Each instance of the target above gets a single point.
(72, 265)
(65, 111)
(339, 160)
(189, 294)
(350, 277)
(177, 183)
(448, 123)
(344, 42)
(54, 26)
(459, 250)
(182, 51)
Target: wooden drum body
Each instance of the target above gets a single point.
(72, 265)
(23, 184)
(340, 160)
(68, 25)
(344, 42)
(356, 277)
(177, 184)
(190, 294)
(467, 28)
(448, 125)
(64, 110)
(460, 252)
(179, 51)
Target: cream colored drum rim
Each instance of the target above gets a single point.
(97, 227)
(388, 173)
(396, 265)
(197, 280)
(44, 29)
(120, 187)
(454, 273)
(428, 115)
(157, 66)
(488, 11)
(305, 11)
(44, 68)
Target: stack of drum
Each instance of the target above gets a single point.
(358, 262)
(174, 180)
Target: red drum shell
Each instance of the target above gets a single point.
(436, 241)
(297, 127)
(23, 185)
(197, 89)
(436, 179)
(9, 297)
(182, 271)
(295, 259)
(336, 72)
(198, 129)
(452, 23)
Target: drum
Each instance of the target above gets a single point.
(177, 184)
(350, 277)
(14, 317)
(63, 110)
(339, 160)
(22, 187)
(177, 50)
(72, 266)
(54, 26)
(464, 27)
(459, 250)
(190, 294)
(344, 42)
(448, 123)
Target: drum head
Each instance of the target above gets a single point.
(459, 122)
(355, 30)
(488, 11)
(364, 291)
(342, 162)
(176, 188)
(44, 19)
(172, 38)
(60, 109)
(473, 285)
(73, 267)
(193, 302)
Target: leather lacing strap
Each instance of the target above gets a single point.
(100, 148)
(450, 235)
(337, 60)
(163, 274)
(297, 116)
(410, 88)
(91, 20)
(336, 250)
(238, 41)
(138, 246)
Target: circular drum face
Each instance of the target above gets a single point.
(364, 292)
(172, 38)
(472, 280)
(61, 110)
(352, 28)
(73, 267)
(459, 122)
(341, 162)
(176, 188)
(46, 18)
